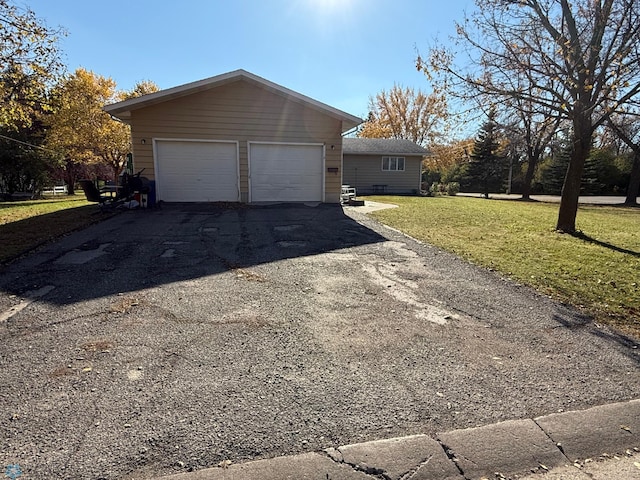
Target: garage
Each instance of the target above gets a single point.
(283, 172)
(197, 171)
(237, 137)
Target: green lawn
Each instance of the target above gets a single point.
(25, 225)
(599, 271)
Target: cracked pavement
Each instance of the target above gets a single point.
(171, 340)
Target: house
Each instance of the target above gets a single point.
(382, 165)
(237, 137)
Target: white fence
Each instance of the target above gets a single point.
(57, 190)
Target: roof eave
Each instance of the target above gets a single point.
(412, 154)
(351, 123)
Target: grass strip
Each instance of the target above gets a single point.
(25, 225)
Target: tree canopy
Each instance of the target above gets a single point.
(577, 59)
(406, 113)
(29, 61)
(143, 87)
(80, 130)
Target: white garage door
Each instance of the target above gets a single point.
(197, 171)
(286, 172)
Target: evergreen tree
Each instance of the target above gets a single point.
(600, 175)
(553, 176)
(487, 166)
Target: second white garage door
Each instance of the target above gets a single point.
(197, 171)
(286, 172)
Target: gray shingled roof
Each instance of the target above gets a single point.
(381, 146)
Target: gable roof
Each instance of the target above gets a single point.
(122, 110)
(381, 146)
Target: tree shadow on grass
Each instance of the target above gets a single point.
(587, 238)
(625, 344)
(33, 202)
(21, 236)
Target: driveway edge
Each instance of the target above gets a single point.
(505, 449)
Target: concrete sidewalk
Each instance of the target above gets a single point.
(600, 443)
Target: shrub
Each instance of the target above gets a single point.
(453, 188)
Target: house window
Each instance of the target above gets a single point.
(393, 164)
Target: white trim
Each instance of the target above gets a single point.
(342, 163)
(396, 157)
(195, 140)
(324, 161)
(324, 173)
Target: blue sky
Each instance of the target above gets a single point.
(339, 52)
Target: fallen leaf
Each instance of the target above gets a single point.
(637, 464)
(87, 369)
(625, 428)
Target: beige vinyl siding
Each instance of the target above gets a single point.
(238, 111)
(365, 171)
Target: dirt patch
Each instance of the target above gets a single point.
(248, 275)
(102, 346)
(124, 305)
(61, 372)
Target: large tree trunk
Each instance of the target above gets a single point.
(528, 179)
(70, 176)
(572, 181)
(633, 190)
(70, 180)
(116, 174)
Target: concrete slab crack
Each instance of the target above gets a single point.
(452, 456)
(336, 455)
(557, 444)
(411, 474)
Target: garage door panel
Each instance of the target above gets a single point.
(197, 171)
(286, 172)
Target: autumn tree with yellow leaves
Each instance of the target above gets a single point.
(580, 60)
(405, 113)
(30, 60)
(81, 131)
(143, 87)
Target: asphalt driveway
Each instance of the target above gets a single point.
(170, 340)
